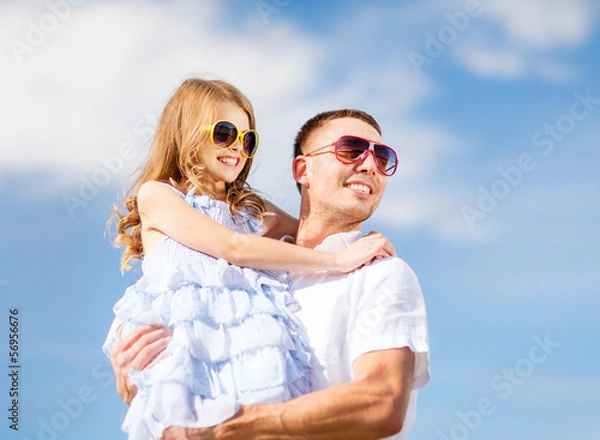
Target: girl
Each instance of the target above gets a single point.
(196, 223)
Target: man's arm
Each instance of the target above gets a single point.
(372, 406)
(278, 223)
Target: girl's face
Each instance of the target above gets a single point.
(223, 166)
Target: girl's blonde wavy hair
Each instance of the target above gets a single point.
(174, 156)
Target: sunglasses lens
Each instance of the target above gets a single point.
(250, 143)
(349, 149)
(224, 134)
(386, 159)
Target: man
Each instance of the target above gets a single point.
(368, 328)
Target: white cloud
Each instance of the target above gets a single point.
(436, 210)
(106, 66)
(486, 62)
(544, 24)
(511, 63)
(109, 67)
(513, 39)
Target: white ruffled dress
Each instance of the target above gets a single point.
(235, 339)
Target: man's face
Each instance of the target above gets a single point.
(334, 188)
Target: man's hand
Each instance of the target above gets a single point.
(363, 252)
(140, 350)
(239, 427)
(177, 433)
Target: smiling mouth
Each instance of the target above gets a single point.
(231, 161)
(364, 189)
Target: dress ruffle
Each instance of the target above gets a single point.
(235, 341)
(235, 338)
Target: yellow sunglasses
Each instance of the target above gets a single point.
(224, 134)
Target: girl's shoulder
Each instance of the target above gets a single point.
(155, 193)
(154, 190)
(154, 186)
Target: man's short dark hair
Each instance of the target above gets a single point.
(321, 119)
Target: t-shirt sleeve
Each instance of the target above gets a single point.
(390, 313)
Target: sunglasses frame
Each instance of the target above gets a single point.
(362, 156)
(239, 138)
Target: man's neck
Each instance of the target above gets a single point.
(312, 232)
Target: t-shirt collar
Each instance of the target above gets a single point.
(339, 241)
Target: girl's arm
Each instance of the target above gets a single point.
(162, 210)
(278, 223)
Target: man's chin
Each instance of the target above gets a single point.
(357, 214)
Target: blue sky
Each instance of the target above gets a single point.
(494, 108)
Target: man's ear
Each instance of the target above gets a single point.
(299, 168)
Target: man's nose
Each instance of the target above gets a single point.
(368, 165)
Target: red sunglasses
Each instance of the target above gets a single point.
(353, 149)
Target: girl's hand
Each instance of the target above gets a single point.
(372, 246)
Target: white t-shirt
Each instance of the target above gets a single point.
(377, 307)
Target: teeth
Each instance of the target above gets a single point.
(228, 160)
(362, 188)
